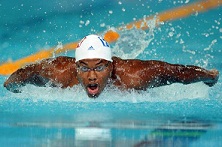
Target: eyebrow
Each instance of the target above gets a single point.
(81, 62)
(99, 62)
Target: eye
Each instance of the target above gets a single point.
(100, 68)
(84, 68)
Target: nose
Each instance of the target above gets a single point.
(92, 76)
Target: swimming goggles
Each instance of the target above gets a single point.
(99, 68)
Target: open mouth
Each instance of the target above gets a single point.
(93, 89)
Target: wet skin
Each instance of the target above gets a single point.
(125, 74)
(92, 80)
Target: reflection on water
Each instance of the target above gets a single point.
(176, 134)
(139, 134)
(93, 136)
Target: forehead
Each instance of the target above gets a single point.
(92, 61)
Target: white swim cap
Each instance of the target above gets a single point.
(91, 47)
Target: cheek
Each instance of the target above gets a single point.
(80, 78)
(104, 77)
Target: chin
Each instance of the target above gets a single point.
(94, 96)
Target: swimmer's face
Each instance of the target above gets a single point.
(93, 74)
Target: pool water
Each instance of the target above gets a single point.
(175, 115)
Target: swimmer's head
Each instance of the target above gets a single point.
(93, 47)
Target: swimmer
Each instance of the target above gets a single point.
(94, 68)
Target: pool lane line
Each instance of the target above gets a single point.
(177, 13)
(9, 67)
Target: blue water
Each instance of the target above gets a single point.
(175, 115)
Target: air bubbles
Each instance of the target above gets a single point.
(110, 12)
(120, 3)
(217, 22)
(102, 25)
(206, 34)
(188, 33)
(170, 34)
(181, 41)
(210, 46)
(196, 13)
(87, 22)
(187, 1)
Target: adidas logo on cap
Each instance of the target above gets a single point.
(91, 48)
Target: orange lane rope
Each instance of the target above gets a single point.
(112, 36)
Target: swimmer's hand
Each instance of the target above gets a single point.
(213, 77)
(13, 87)
(14, 83)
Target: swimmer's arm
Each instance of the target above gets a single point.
(23, 76)
(60, 71)
(175, 73)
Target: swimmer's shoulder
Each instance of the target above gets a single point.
(117, 62)
(121, 64)
(60, 62)
(120, 61)
(116, 59)
(60, 59)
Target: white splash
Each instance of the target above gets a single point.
(170, 93)
(59, 46)
(133, 42)
(210, 46)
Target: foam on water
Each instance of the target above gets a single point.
(169, 93)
